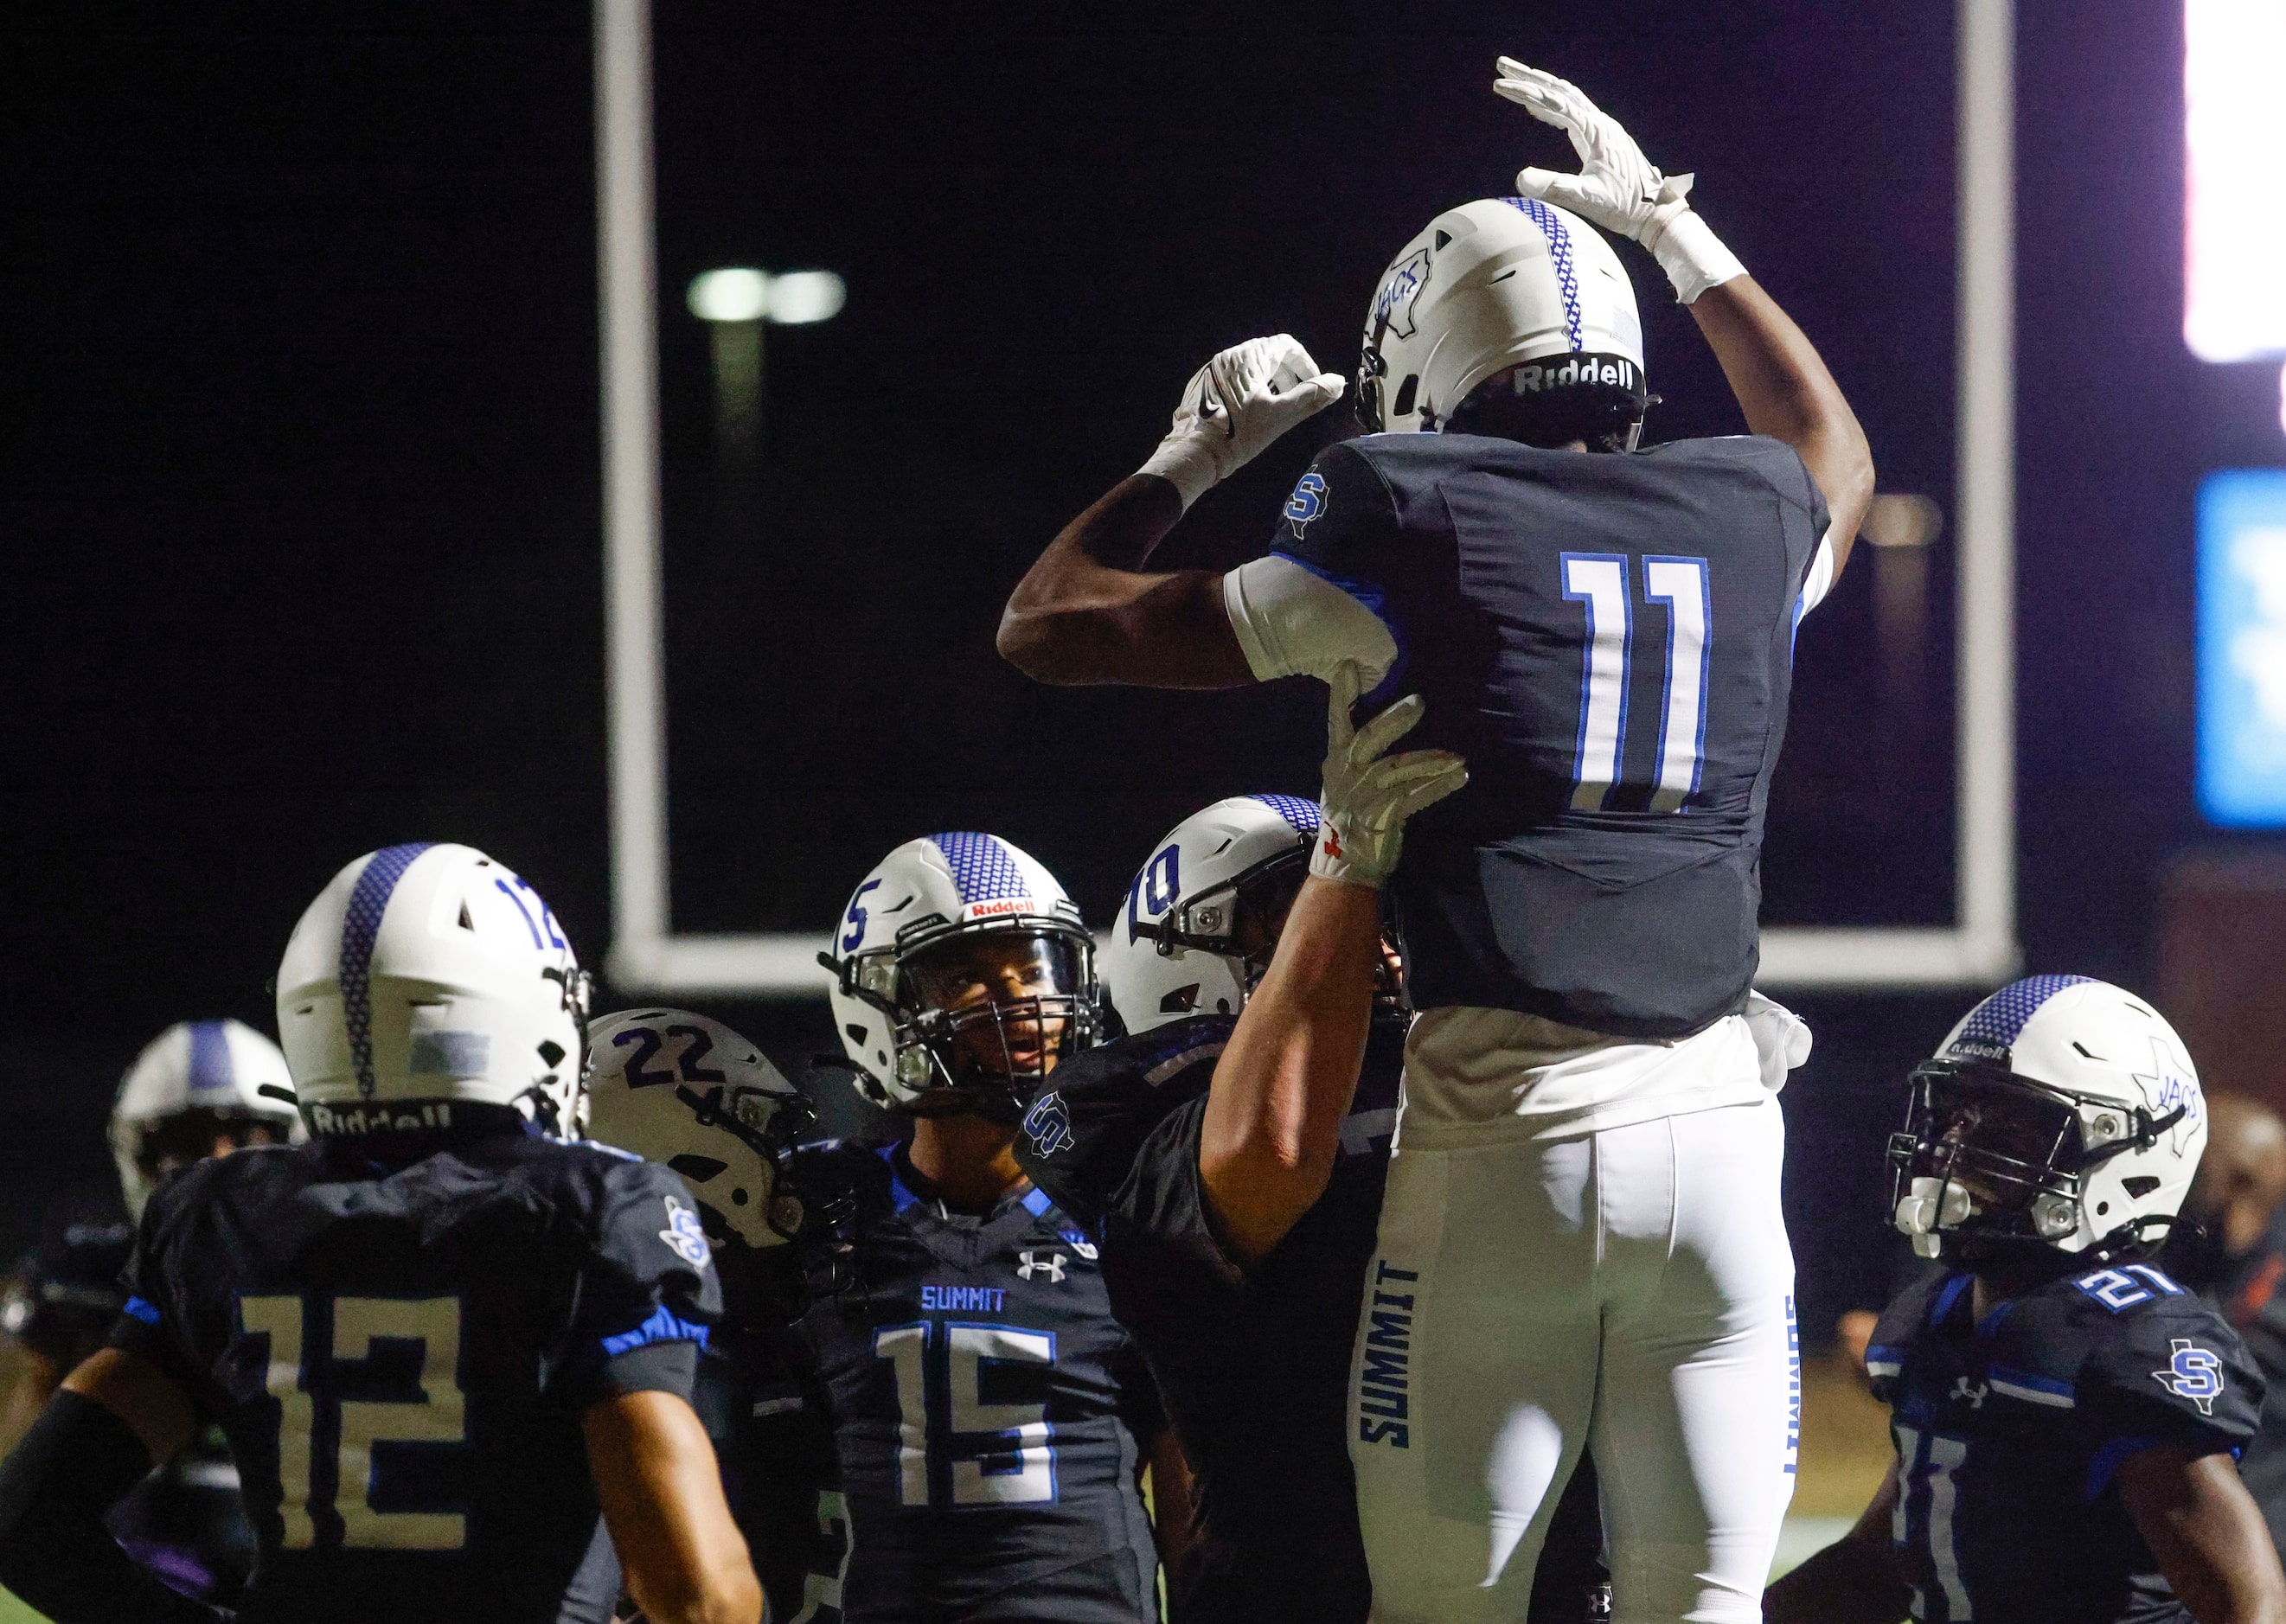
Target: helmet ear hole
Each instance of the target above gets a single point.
(2140, 1186)
(1405, 394)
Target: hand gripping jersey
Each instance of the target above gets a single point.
(1254, 1367)
(401, 1360)
(1608, 640)
(2008, 1434)
(987, 1408)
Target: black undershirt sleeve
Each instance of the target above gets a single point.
(77, 1461)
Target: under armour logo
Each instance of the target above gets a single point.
(2192, 1373)
(1962, 1388)
(1050, 1264)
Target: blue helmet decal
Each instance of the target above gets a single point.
(983, 868)
(210, 1067)
(1301, 815)
(360, 926)
(1559, 256)
(1993, 1026)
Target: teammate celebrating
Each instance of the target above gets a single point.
(679, 1089)
(436, 1337)
(1586, 1209)
(992, 1418)
(1230, 1163)
(2064, 1413)
(196, 1091)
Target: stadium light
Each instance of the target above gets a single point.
(2233, 144)
(789, 298)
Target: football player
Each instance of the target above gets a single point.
(193, 1092)
(992, 1418)
(439, 1339)
(1228, 1156)
(1586, 1210)
(680, 1089)
(2064, 1413)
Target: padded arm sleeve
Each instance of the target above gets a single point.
(74, 1463)
(1293, 623)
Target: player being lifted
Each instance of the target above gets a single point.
(438, 1337)
(193, 1092)
(993, 1420)
(2064, 1413)
(1586, 1202)
(1228, 1156)
(680, 1089)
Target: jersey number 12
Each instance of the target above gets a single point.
(430, 1410)
(1600, 581)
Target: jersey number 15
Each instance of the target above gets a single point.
(308, 1384)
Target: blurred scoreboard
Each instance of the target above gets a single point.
(2242, 649)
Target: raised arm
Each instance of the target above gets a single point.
(1283, 1082)
(1781, 384)
(1088, 611)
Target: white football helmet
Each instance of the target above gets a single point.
(964, 975)
(197, 1082)
(680, 1089)
(2061, 1111)
(426, 974)
(1495, 285)
(1202, 918)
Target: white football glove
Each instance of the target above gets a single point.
(1618, 188)
(1367, 796)
(1234, 406)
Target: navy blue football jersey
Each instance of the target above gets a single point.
(767, 1415)
(400, 1356)
(990, 1415)
(1609, 641)
(1254, 1364)
(2009, 1431)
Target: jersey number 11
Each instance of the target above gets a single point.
(1600, 581)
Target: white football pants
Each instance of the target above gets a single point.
(1629, 1291)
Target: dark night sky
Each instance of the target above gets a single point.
(299, 469)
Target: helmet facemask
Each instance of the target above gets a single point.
(769, 1123)
(982, 1013)
(1988, 1154)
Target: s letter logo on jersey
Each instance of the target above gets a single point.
(1048, 1124)
(684, 1236)
(1308, 502)
(1392, 306)
(1049, 1264)
(2192, 1373)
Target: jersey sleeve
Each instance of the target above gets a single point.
(2167, 1369)
(650, 1294)
(1079, 1140)
(1163, 1201)
(1316, 600)
(154, 1321)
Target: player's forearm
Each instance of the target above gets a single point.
(1786, 392)
(1088, 612)
(1275, 1111)
(661, 1493)
(77, 1461)
(2208, 1534)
